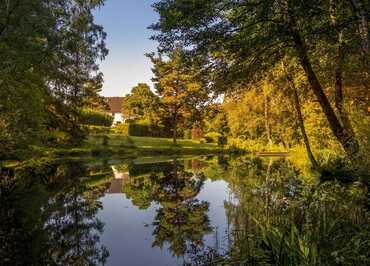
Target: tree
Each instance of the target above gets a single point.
(182, 94)
(140, 104)
(48, 53)
(300, 121)
(244, 39)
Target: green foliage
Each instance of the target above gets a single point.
(99, 129)
(212, 137)
(187, 134)
(182, 91)
(181, 219)
(48, 68)
(105, 140)
(281, 217)
(144, 130)
(141, 104)
(122, 129)
(95, 118)
(20, 124)
(244, 43)
(36, 219)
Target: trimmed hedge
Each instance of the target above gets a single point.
(137, 129)
(141, 130)
(95, 118)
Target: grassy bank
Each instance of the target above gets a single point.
(117, 140)
(125, 147)
(120, 144)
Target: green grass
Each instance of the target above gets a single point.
(163, 158)
(116, 140)
(128, 147)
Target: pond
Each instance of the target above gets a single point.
(202, 210)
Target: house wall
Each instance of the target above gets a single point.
(117, 118)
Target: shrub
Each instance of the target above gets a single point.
(212, 137)
(122, 129)
(187, 134)
(92, 117)
(142, 130)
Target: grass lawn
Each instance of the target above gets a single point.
(117, 140)
(130, 147)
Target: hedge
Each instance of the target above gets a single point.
(95, 118)
(141, 130)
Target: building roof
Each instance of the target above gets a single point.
(115, 104)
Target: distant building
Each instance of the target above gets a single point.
(115, 108)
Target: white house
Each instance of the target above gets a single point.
(115, 108)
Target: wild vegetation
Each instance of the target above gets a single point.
(277, 213)
(276, 53)
(246, 75)
(229, 77)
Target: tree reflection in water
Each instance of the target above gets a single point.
(181, 220)
(281, 216)
(52, 222)
(276, 214)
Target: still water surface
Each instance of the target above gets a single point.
(169, 211)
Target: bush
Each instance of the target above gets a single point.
(142, 130)
(92, 117)
(212, 137)
(121, 129)
(187, 134)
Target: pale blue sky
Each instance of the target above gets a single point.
(126, 22)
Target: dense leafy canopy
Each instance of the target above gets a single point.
(245, 41)
(48, 68)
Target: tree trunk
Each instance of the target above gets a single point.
(306, 141)
(348, 141)
(300, 120)
(339, 98)
(267, 118)
(174, 134)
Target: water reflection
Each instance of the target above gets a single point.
(283, 217)
(51, 223)
(185, 211)
(181, 220)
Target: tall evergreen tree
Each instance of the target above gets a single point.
(182, 94)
